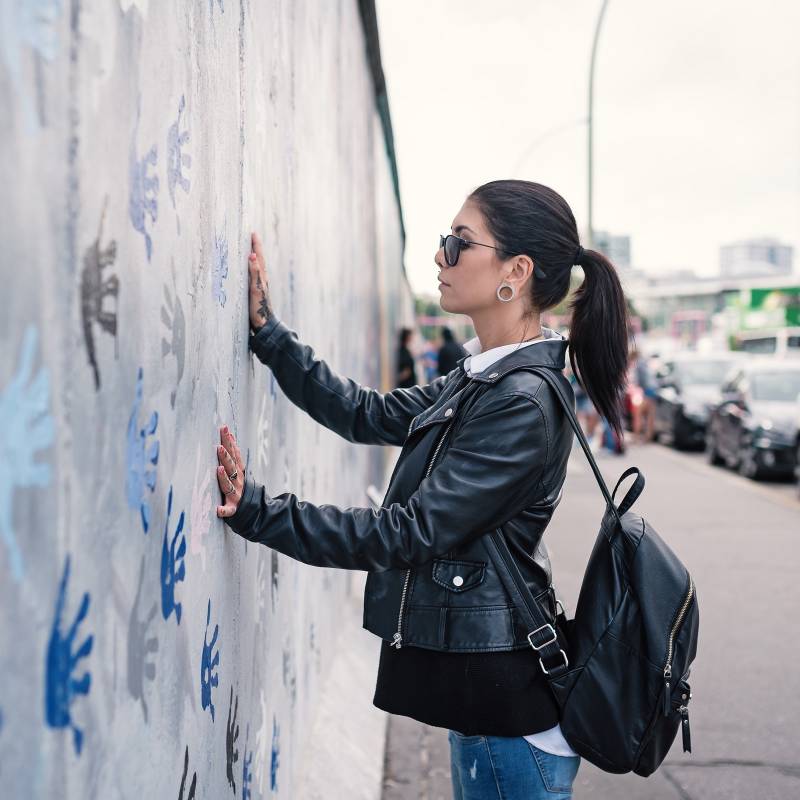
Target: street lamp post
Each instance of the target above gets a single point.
(590, 120)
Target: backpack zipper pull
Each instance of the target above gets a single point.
(665, 708)
(685, 731)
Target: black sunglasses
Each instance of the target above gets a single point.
(453, 245)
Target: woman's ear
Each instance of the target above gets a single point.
(521, 270)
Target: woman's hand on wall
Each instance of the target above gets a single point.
(260, 307)
(230, 473)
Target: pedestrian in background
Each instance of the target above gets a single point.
(450, 353)
(406, 368)
(485, 449)
(643, 413)
(430, 360)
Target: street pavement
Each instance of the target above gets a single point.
(739, 539)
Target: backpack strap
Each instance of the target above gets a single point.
(552, 381)
(633, 493)
(543, 637)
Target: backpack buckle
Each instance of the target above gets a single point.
(558, 667)
(537, 648)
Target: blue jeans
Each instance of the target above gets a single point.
(508, 768)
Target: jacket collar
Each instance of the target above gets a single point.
(548, 353)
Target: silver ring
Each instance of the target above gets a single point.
(232, 477)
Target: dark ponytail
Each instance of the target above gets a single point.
(531, 219)
(598, 336)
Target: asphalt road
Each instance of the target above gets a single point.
(741, 542)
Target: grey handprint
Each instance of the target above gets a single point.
(94, 291)
(231, 737)
(28, 429)
(141, 647)
(175, 322)
(193, 785)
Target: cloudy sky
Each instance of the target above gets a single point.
(697, 117)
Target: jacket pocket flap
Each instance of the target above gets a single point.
(458, 576)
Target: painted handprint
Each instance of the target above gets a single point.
(61, 688)
(274, 756)
(219, 268)
(289, 673)
(141, 647)
(143, 190)
(31, 24)
(175, 322)
(141, 458)
(193, 785)
(176, 158)
(275, 578)
(247, 769)
(173, 568)
(231, 737)
(94, 291)
(208, 676)
(28, 429)
(200, 515)
(261, 748)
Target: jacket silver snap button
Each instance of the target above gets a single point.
(494, 375)
(458, 580)
(448, 412)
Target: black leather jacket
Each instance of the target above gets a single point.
(478, 453)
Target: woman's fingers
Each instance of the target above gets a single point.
(229, 442)
(230, 473)
(260, 310)
(226, 485)
(255, 244)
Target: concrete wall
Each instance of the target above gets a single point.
(143, 647)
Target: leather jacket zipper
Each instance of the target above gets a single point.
(397, 639)
(671, 643)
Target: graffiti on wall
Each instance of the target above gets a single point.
(144, 335)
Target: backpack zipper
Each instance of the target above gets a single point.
(671, 643)
(397, 639)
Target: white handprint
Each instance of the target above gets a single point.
(200, 515)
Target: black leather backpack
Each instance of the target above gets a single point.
(619, 668)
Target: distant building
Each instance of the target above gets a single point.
(616, 248)
(755, 258)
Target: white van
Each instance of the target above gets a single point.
(779, 342)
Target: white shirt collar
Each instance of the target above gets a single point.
(477, 361)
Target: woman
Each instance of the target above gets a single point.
(406, 370)
(484, 447)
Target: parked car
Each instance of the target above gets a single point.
(688, 387)
(754, 427)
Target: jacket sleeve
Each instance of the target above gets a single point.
(356, 413)
(491, 471)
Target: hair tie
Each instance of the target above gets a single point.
(578, 255)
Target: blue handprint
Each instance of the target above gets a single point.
(219, 268)
(140, 457)
(247, 768)
(61, 688)
(27, 429)
(176, 158)
(275, 756)
(208, 677)
(143, 189)
(171, 555)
